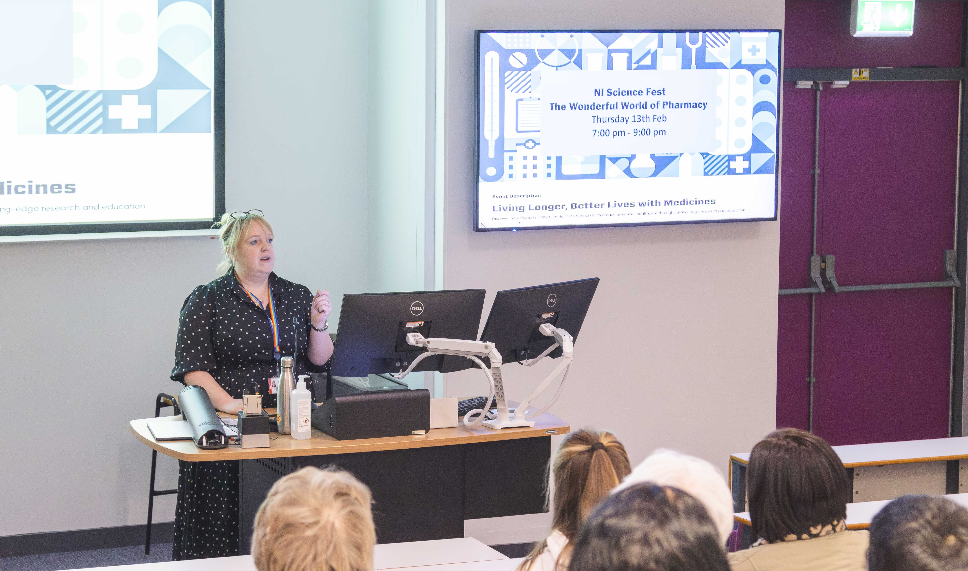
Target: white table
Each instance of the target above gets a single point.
(502, 565)
(859, 515)
(462, 554)
(434, 552)
(883, 471)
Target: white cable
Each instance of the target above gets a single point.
(565, 341)
(561, 386)
(547, 352)
(482, 413)
(400, 376)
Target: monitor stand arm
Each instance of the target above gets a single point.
(473, 350)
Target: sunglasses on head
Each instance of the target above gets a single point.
(240, 215)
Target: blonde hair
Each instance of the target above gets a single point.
(586, 467)
(234, 227)
(315, 520)
(692, 475)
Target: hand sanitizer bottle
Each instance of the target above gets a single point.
(300, 407)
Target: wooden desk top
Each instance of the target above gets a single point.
(860, 514)
(281, 446)
(854, 455)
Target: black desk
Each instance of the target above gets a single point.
(424, 487)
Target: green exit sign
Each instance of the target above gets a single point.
(872, 18)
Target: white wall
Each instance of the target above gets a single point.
(679, 347)
(88, 328)
(400, 145)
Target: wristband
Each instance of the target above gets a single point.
(325, 326)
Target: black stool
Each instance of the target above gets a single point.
(161, 401)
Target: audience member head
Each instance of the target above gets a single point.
(798, 488)
(919, 533)
(586, 467)
(233, 228)
(695, 476)
(649, 528)
(315, 520)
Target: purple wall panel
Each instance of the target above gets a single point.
(796, 187)
(817, 34)
(882, 366)
(888, 169)
(888, 160)
(793, 362)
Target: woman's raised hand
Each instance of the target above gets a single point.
(320, 309)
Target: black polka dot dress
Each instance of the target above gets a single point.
(223, 332)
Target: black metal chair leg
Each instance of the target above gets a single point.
(151, 501)
(161, 401)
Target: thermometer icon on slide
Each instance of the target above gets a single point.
(492, 100)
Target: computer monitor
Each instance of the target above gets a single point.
(516, 315)
(372, 333)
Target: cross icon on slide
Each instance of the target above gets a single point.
(754, 50)
(129, 112)
(739, 164)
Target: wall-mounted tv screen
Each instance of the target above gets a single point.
(582, 128)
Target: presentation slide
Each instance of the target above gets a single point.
(583, 128)
(106, 116)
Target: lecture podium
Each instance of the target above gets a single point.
(424, 487)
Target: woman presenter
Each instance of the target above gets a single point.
(232, 333)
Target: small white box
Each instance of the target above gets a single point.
(443, 413)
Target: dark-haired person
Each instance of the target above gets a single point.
(798, 492)
(586, 467)
(647, 527)
(231, 335)
(919, 533)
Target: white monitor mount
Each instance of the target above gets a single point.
(474, 350)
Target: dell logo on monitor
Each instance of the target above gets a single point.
(552, 300)
(416, 308)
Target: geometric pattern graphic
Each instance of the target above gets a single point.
(716, 165)
(173, 102)
(197, 119)
(130, 112)
(23, 110)
(140, 66)
(115, 44)
(556, 50)
(529, 115)
(517, 81)
(75, 112)
(717, 40)
(734, 118)
(185, 34)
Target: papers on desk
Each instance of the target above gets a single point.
(167, 428)
(231, 427)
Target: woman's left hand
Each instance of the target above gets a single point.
(320, 309)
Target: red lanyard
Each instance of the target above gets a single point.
(271, 315)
